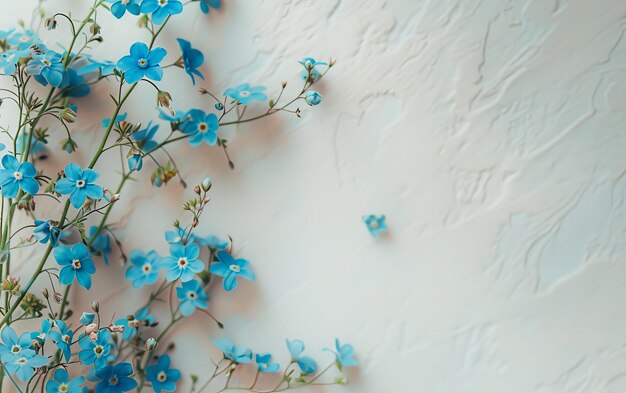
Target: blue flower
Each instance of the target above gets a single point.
(192, 59)
(23, 364)
(101, 245)
(183, 262)
(233, 352)
(144, 138)
(176, 118)
(176, 236)
(45, 232)
(211, 241)
(375, 224)
(244, 93)
(95, 352)
(191, 295)
(48, 66)
(201, 127)
(73, 84)
(206, 5)
(24, 40)
(135, 162)
(62, 383)
(63, 338)
(119, 7)
(345, 354)
(312, 97)
(142, 62)
(310, 63)
(37, 147)
(105, 67)
(264, 363)
(161, 376)
(144, 268)
(79, 184)
(76, 264)
(10, 58)
(11, 344)
(4, 34)
(306, 363)
(161, 10)
(313, 74)
(229, 268)
(115, 379)
(87, 317)
(131, 328)
(118, 119)
(42, 334)
(16, 176)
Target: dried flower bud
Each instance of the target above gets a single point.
(151, 344)
(94, 29)
(95, 306)
(331, 62)
(115, 198)
(93, 336)
(91, 328)
(58, 298)
(283, 84)
(51, 23)
(164, 100)
(69, 145)
(68, 115)
(44, 292)
(196, 189)
(135, 323)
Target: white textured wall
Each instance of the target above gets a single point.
(490, 132)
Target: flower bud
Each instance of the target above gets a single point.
(94, 29)
(68, 114)
(95, 306)
(69, 145)
(58, 298)
(151, 344)
(44, 292)
(312, 97)
(219, 106)
(206, 184)
(116, 328)
(91, 328)
(196, 189)
(51, 23)
(115, 198)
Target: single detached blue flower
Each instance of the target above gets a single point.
(183, 262)
(233, 352)
(79, 184)
(10, 58)
(312, 97)
(206, 5)
(142, 62)
(11, 344)
(76, 263)
(131, 328)
(345, 354)
(37, 147)
(95, 352)
(306, 363)
(45, 232)
(87, 317)
(49, 66)
(191, 295)
(201, 127)
(101, 244)
(119, 7)
(161, 9)
(23, 364)
(375, 224)
(63, 338)
(244, 93)
(118, 119)
(161, 376)
(144, 268)
(115, 379)
(104, 68)
(192, 59)
(24, 40)
(16, 176)
(265, 365)
(211, 241)
(63, 384)
(230, 268)
(144, 138)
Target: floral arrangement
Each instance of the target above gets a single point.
(76, 352)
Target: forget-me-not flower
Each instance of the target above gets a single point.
(161, 376)
(183, 262)
(161, 9)
(312, 97)
(344, 354)
(115, 379)
(244, 93)
(230, 268)
(63, 338)
(61, 383)
(11, 343)
(211, 241)
(49, 66)
(201, 127)
(101, 244)
(206, 5)
(24, 40)
(15, 176)
(144, 138)
(37, 147)
(192, 59)
(119, 118)
(79, 184)
(106, 67)
(191, 295)
(23, 364)
(306, 363)
(144, 268)
(131, 328)
(95, 352)
(10, 58)
(45, 232)
(142, 62)
(375, 224)
(76, 263)
(265, 365)
(119, 7)
(233, 352)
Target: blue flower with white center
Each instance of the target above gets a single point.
(104, 68)
(95, 352)
(24, 40)
(131, 328)
(37, 147)
(161, 376)
(47, 68)
(183, 262)
(192, 59)
(15, 176)
(237, 354)
(45, 232)
(375, 224)
(310, 63)
(244, 93)
(87, 317)
(63, 384)
(10, 58)
(206, 5)
(118, 119)
(306, 363)
(119, 7)
(211, 241)
(265, 365)
(191, 295)
(11, 344)
(76, 263)
(79, 184)
(23, 364)
(42, 334)
(344, 354)
(115, 379)
(101, 244)
(161, 9)
(231, 268)
(142, 62)
(63, 338)
(201, 127)
(312, 97)
(144, 138)
(144, 268)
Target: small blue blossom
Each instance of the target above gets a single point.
(49, 66)
(118, 119)
(87, 317)
(63, 384)
(115, 379)
(101, 244)
(161, 376)
(313, 74)
(10, 58)
(42, 333)
(63, 338)
(23, 364)
(131, 328)
(177, 236)
(95, 352)
(306, 363)
(211, 241)
(183, 262)
(16, 176)
(79, 184)
(192, 59)
(375, 224)
(144, 138)
(76, 263)
(119, 7)
(191, 295)
(144, 268)
(201, 127)
(244, 93)
(135, 162)
(312, 97)
(345, 354)
(105, 67)
(24, 40)
(176, 118)
(233, 352)
(45, 232)
(230, 268)
(206, 5)
(11, 344)
(161, 10)
(142, 62)
(310, 63)
(265, 365)
(37, 147)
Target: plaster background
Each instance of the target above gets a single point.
(491, 134)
